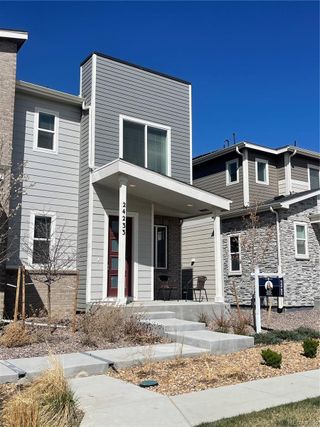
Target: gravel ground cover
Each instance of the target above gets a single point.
(209, 371)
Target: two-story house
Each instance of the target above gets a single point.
(273, 221)
(111, 169)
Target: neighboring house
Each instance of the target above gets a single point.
(283, 186)
(112, 168)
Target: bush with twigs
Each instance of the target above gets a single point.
(16, 335)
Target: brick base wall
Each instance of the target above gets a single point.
(62, 294)
(174, 256)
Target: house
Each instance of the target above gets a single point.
(111, 169)
(273, 221)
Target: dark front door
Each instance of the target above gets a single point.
(113, 256)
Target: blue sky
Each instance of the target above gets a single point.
(254, 66)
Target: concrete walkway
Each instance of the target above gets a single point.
(111, 402)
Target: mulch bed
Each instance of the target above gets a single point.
(209, 371)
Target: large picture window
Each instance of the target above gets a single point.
(160, 246)
(234, 254)
(146, 144)
(301, 240)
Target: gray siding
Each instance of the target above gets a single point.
(83, 212)
(121, 89)
(261, 192)
(299, 166)
(198, 243)
(52, 183)
(211, 176)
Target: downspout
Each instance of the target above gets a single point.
(88, 108)
(278, 239)
(245, 176)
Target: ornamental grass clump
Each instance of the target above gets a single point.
(310, 347)
(272, 358)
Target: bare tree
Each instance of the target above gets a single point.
(51, 252)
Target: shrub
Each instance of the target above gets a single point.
(14, 335)
(277, 337)
(222, 322)
(240, 323)
(272, 358)
(310, 347)
(204, 318)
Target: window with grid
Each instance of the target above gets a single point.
(46, 131)
(234, 254)
(41, 239)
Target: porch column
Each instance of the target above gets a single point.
(122, 239)
(218, 260)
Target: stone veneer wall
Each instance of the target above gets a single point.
(62, 294)
(301, 276)
(174, 256)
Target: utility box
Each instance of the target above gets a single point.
(271, 286)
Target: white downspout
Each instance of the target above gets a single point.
(88, 108)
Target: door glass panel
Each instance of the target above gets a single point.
(114, 263)
(114, 281)
(115, 226)
(114, 245)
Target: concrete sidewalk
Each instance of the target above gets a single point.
(111, 402)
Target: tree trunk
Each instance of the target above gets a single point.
(49, 302)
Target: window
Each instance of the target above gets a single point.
(301, 240)
(46, 131)
(262, 171)
(232, 170)
(145, 144)
(160, 246)
(314, 177)
(41, 239)
(234, 254)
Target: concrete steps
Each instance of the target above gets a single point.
(195, 334)
(158, 315)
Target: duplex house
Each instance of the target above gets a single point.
(273, 221)
(108, 173)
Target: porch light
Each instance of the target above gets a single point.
(190, 205)
(132, 185)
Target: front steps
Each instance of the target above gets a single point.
(196, 334)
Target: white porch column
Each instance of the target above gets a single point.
(218, 259)
(122, 239)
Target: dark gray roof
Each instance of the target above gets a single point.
(281, 199)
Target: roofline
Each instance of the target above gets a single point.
(18, 36)
(243, 144)
(275, 205)
(139, 67)
(45, 92)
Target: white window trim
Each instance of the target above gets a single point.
(228, 182)
(36, 131)
(306, 255)
(156, 226)
(258, 160)
(146, 124)
(310, 166)
(33, 214)
(234, 272)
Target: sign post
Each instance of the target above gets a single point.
(257, 299)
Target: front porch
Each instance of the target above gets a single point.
(136, 221)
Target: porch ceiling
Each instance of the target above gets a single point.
(169, 196)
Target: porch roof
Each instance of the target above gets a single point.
(169, 196)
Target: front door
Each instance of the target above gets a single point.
(113, 256)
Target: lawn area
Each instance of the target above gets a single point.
(304, 413)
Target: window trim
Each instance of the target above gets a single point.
(33, 215)
(306, 255)
(146, 124)
(230, 271)
(229, 162)
(55, 131)
(310, 166)
(155, 229)
(266, 162)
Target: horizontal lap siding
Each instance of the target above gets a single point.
(52, 183)
(261, 192)
(211, 176)
(122, 89)
(299, 171)
(198, 243)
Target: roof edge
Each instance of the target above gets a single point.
(139, 67)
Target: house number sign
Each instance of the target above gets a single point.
(123, 218)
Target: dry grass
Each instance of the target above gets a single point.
(113, 323)
(194, 374)
(48, 401)
(15, 335)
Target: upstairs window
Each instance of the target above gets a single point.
(146, 144)
(232, 171)
(262, 171)
(314, 177)
(234, 254)
(301, 240)
(41, 239)
(160, 246)
(46, 131)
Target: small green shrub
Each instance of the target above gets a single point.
(272, 358)
(277, 337)
(310, 347)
